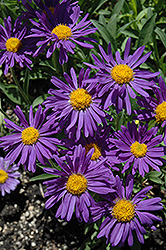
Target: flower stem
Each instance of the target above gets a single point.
(19, 87)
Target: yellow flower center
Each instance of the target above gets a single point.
(80, 99)
(76, 184)
(122, 73)
(3, 176)
(51, 9)
(161, 112)
(138, 149)
(13, 44)
(29, 135)
(62, 31)
(123, 210)
(97, 150)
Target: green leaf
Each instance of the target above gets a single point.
(154, 174)
(118, 6)
(156, 180)
(105, 34)
(133, 6)
(100, 4)
(11, 91)
(161, 35)
(112, 25)
(125, 26)
(146, 31)
(39, 100)
(43, 177)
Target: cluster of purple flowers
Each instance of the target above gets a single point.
(79, 106)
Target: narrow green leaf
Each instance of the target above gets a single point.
(154, 174)
(146, 31)
(156, 180)
(133, 6)
(125, 26)
(43, 177)
(118, 6)
(100, 4)
(105, 34)
(161, 35)
(112, 25)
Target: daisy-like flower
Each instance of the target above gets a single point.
(8, 176)
(119, 80)
(155, 108)
(47, 7)
(14, 46)
(75, 104)
(138, 148)
(99, 142)
(77, 177)
(125, 214)
(61, 31)
(29, 141)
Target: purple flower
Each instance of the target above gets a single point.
(61, 31)
(47, 7)
(119, 80)
(14, 46)
(155, 108)
(78, 176)
(8, 176)
(29, 141)
(99, 142)
(125, 213)
(75, 105)
(138, 148)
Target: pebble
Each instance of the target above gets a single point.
(33, 244)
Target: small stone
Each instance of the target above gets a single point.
(33, 244)
(31, 208)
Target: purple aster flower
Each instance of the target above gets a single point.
(75, 105)
(78, 176)
(47, 7)
(120, 79)
(61, 31)
(138, 148)
(155, 108)
(99, 142)
(8, 176)
(125, 213)
(14, 46)
(29, 141)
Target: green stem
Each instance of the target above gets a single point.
(19, 87)
(64, 67)
(5, 114)
(54, 59)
